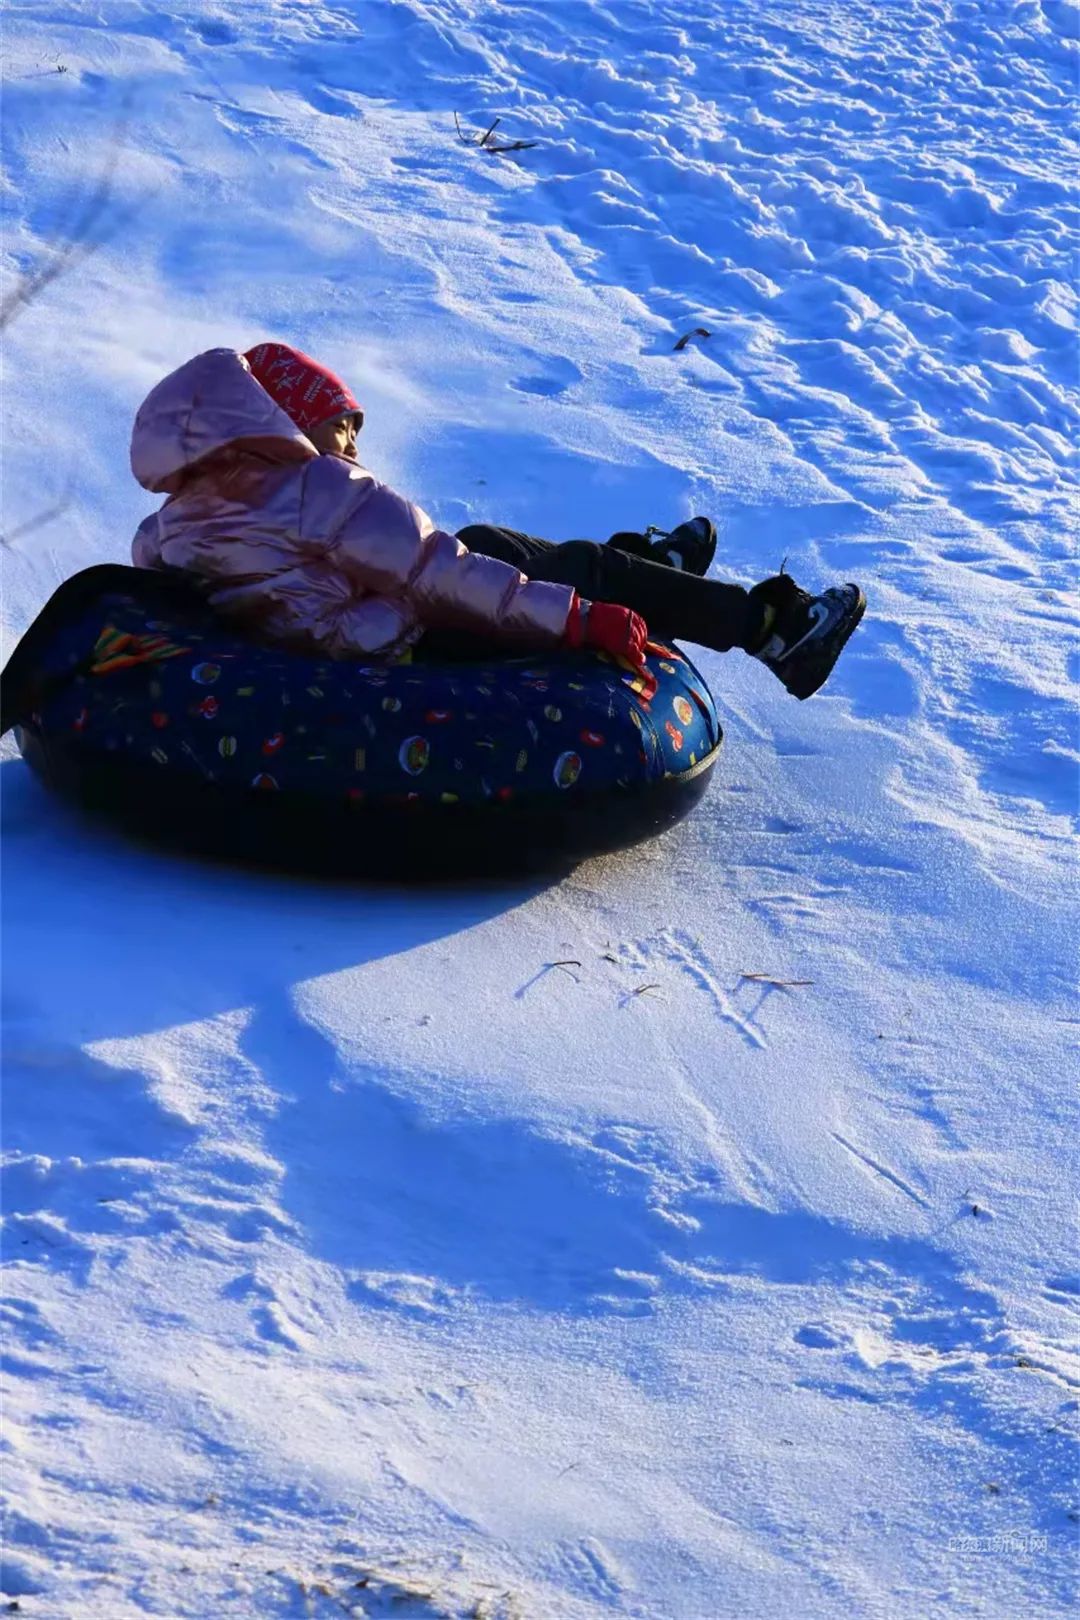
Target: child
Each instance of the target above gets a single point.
(269, 507)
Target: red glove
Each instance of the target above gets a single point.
(608, 628)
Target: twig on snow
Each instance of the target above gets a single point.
(642, 989)
(699, 331)
(566, 965)
(485, 143)
(91, 229)
(778, 984)
(38, 521)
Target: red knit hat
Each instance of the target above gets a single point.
(307, 391)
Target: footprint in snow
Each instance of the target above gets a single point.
(26, 1320)
(561, 375)
(418, 1297)
(592, 1565)
(269, 1317)
(816, 1336)
(1064, 1290)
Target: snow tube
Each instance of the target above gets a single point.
(133, 699)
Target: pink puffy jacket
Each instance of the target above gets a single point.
(309, 549)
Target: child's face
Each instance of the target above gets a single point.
(337, 438)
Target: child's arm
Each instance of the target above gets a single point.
(389, 547)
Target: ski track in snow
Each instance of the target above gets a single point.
(359, 1259)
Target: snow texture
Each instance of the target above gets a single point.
(360, 1258)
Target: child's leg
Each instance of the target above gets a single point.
(508, 545)
(676, 606)
(796, 635)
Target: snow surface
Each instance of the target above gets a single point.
(359, 1259)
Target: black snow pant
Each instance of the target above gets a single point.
(676, 606)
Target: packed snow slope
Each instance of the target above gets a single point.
(359, 1257)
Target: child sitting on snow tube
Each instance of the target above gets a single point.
(268, 508)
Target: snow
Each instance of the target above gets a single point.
(359, 1257)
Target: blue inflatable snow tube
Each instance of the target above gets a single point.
(133, 699)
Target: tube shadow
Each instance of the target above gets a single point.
(104, 938)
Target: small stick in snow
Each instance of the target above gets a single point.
(40, 519)
(547, 967)
(512, 146)
(473, 140)
(90, 229)
(779, 984)
(641, 990)
(485, 143)
(699, 331)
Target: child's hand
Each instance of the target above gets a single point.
(609, 628)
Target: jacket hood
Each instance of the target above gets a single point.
(210, 403)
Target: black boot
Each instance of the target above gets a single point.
(638, 545)
(804, 635)
(690, 547)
